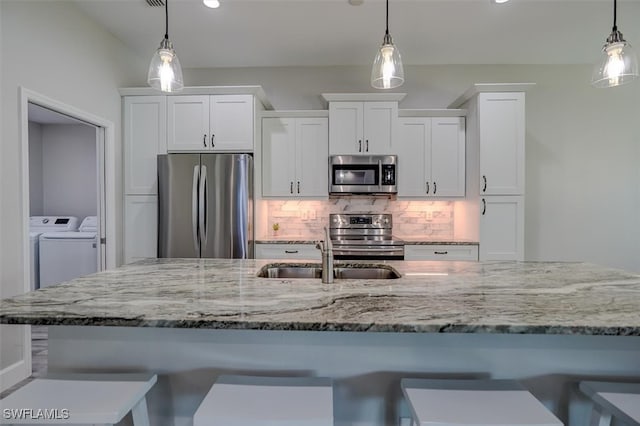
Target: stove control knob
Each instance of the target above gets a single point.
(386, 221)
(335, 220)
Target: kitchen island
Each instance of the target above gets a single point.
(547, 324)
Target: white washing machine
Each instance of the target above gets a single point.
(68, 255)
(37, 226)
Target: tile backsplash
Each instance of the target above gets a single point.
(307, 219)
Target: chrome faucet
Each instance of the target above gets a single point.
(326, 249)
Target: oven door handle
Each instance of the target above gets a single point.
(366, 250)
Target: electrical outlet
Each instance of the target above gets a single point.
(305, 215)
(312, 214)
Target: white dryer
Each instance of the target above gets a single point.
(37, 226)
(68, 255)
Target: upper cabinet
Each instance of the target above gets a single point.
(362, 124)
(145, 136)
(210, 123)
(501, 126)
(431, 157)
(294, 157)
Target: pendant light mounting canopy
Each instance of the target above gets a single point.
(618, 64)
(387, 71)
(165, 72)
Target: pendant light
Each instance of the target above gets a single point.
(619, 64)
(387, 71)
(165, 73)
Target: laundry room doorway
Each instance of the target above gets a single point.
(68, 197)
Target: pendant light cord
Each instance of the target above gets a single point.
(615, 14)
(166, 19)
(387, 31)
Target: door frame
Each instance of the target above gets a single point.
(105, 137)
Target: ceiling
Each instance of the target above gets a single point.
(254, 33)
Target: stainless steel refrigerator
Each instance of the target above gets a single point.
(205, 205)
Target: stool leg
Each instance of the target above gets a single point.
(600, 418)
(140, 413)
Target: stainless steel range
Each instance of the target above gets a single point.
(364, 236)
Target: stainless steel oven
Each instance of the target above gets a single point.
(363, 174)
(364, 236)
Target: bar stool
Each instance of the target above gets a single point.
(619, 400)
(80, 399)
(474, 402)
(267, 401)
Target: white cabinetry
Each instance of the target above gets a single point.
(502, 227)
(294, 157)
(431, 157)
(441, 252)
(210, 122)
(496, 135)
(287, 251)
(502, 135)
(140, 227)
(145, 137)
(361, 128)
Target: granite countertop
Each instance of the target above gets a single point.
(438, 297)
(406, 240)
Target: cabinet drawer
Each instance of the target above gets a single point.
(441, 252)
(287, 251)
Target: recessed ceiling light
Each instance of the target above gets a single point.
(213, 4)
(499, 1)
(356, 2)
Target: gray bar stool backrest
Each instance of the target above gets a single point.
(611, 399)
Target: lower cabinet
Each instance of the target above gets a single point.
(140, 227)
(502, 227)
(287, 251)
(441, 252)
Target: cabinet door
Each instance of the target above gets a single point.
(415, 137)
(188, 123)
(231, 122)
(312, 164)
(345, 128)
(447, 157)
(140, 227)
(278, 157)
(502, 228)
(380, 122)
(145, 137)
(502, 134)
(287, 251)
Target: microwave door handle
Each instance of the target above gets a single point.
(380, 175)
(194, 208)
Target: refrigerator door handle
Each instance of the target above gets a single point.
(203, 206)
(194, 208)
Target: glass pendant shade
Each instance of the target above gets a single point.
(165, 72)
(387, 71)
(618, 64)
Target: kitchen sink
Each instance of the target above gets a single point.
(362, 272)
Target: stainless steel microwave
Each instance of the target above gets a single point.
(363, 174)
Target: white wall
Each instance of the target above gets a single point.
(69, 170)
(53, 49)
(582, 145)
(36, 182)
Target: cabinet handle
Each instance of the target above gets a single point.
(360, 145)
(440, 252)
(435, 188)
(484, 188)
(213, 145)
(204, 140)
(298, 187)
(484, 206)
(291, 251)
(427, 187)
(367, 149)
(291, 188)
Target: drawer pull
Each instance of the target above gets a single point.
(441, 252)
(291, 251)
